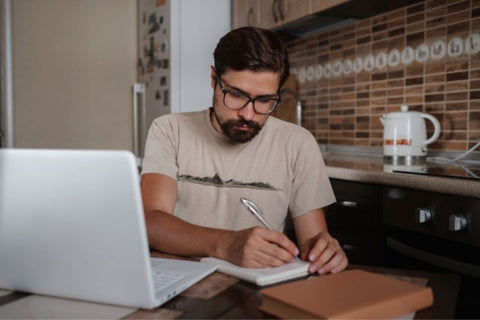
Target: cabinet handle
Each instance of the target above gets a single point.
(348, 204)
(273, 11)
(250, 17)
(280, 11)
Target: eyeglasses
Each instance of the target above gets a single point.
(236, 100)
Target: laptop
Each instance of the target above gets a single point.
(72, 225)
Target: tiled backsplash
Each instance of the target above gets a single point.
(426, 56)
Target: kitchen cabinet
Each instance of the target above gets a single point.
(355, 220)
(244, 13)
(270, 14)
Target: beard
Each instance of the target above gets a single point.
(230, 128)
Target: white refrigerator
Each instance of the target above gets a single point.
(176, 43)
(67, 71)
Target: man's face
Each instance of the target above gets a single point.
(244, 124)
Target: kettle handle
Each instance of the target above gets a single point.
(436, 128)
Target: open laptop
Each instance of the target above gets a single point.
(72, 225)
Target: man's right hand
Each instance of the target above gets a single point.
(257, 247)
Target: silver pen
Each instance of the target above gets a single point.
(255, 210)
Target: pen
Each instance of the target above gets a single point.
(255, 210)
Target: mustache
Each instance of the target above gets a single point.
(242, 122)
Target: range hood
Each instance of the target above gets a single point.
(337, 16)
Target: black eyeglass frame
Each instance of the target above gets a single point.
(250, 99)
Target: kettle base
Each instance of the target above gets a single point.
(405, 160)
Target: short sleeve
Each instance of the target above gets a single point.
(161, 148)
(311, 187)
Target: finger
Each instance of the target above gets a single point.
(317, 249)
(281, 241)
(336, 264)
(277, 252)
(318, 265)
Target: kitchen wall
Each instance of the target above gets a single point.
(425, 55)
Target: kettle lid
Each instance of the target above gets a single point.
(404, 108)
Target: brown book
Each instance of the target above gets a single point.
(346, 295)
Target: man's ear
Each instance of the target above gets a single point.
(213, 77)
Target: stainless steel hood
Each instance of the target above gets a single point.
(340, 15)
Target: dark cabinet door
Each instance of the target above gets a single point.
(355, 221)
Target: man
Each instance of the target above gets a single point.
(198, 165)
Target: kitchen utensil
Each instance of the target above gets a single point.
(405, 135)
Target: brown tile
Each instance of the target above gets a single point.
(379, 36)
(459, 6)
(396, 92)
(435, 33)
(456, 106)
(415, 27)
(411, 19)
(456, 65)
(393, 24)
(396, 32)
(475, 13)
(475, 84)
(475, 74)
(475, 105)
(454, 76)
(413, 81)
(379, 45)
(399, 13)
(378, 85)
(434, 97)
(455, 121)
(475, 95)
(457, 86)
(434, 68)
(362, 103)
(382, 101)
(475, 120)
(475, 62)
(434, 107)
(457, 96)
(434, 4)
(415, 90)
(415, 38)
(435, 12)
(434, 78)
(458, 17)
(461, 29)
(409, 100)
(395, 101)
(415, 69)
(436, 88)
(395, 83)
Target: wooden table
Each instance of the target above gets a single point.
(220, 296)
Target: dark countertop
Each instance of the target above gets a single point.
(371, 168)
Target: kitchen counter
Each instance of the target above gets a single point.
(371, 168)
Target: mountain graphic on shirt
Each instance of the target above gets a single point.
(217, 181)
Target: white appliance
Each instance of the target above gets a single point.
(176, 43)
(67, 71)
(405, 134)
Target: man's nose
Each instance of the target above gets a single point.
(247, 112)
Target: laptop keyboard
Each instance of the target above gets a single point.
(162, 279)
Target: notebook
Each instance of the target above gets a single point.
(72, 225)
(262, 276)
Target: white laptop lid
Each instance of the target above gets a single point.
(72, 225)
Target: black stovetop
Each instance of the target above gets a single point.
(443, 171)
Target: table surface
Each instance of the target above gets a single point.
(219, 296)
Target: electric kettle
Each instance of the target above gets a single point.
(405, 134)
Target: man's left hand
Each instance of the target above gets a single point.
(325, 254)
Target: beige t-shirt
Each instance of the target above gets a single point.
(281, 170)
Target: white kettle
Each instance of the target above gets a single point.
(405, 133)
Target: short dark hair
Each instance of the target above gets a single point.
(252, 48)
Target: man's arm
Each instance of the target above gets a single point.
(316, 244)
(254, 247)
